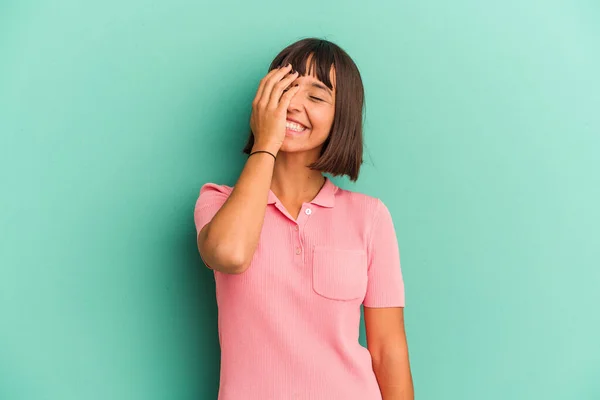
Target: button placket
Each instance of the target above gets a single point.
(297, 241)
(301, 220)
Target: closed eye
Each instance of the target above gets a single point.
(316, 98)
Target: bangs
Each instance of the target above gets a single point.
(322, 57)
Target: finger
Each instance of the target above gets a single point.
(270, 82)
(279, 88)
(284, 103)
(261, 85)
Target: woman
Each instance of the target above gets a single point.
(294, 256)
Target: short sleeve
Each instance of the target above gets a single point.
(210, 200)
(385, 286)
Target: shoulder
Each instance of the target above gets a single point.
(360, 203)
(373, 210)
(215, 188)
(362, 209)
(368, 214)
(374, 217)
(213, 194)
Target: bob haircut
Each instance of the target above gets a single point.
(342, 151)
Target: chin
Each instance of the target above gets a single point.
(297, 149)
(297, 145)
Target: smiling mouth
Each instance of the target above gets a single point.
(295, 127)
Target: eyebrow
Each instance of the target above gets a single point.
(321, 86)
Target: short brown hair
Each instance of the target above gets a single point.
(342, 151)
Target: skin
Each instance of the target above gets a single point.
(281, 95)
(293, 182)
(386, 341)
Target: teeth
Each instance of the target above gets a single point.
(294, 126)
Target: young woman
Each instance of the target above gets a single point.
(294, 256)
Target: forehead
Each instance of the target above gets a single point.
(311, 73)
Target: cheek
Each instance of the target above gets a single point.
(321, 117)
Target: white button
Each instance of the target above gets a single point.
(308, 211)
(297, 250)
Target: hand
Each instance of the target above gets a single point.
(269, 108)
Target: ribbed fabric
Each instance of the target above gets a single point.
(289, 325)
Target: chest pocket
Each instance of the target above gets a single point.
(339, 274)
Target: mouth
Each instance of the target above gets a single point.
(294, 127)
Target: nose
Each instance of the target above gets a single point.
(295, 101)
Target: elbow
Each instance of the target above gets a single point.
(388, 355)
(230, 263)
(222, 257)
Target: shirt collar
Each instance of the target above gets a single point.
(325, 197)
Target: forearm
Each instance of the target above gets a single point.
(392, 370)
(233, 233)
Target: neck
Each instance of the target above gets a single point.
(297, 185)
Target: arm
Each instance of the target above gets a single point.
(386, 341)
(228, 241)
(384, 310)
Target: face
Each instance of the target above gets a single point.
(312, 106)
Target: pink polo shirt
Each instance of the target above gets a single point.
(289, 325)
